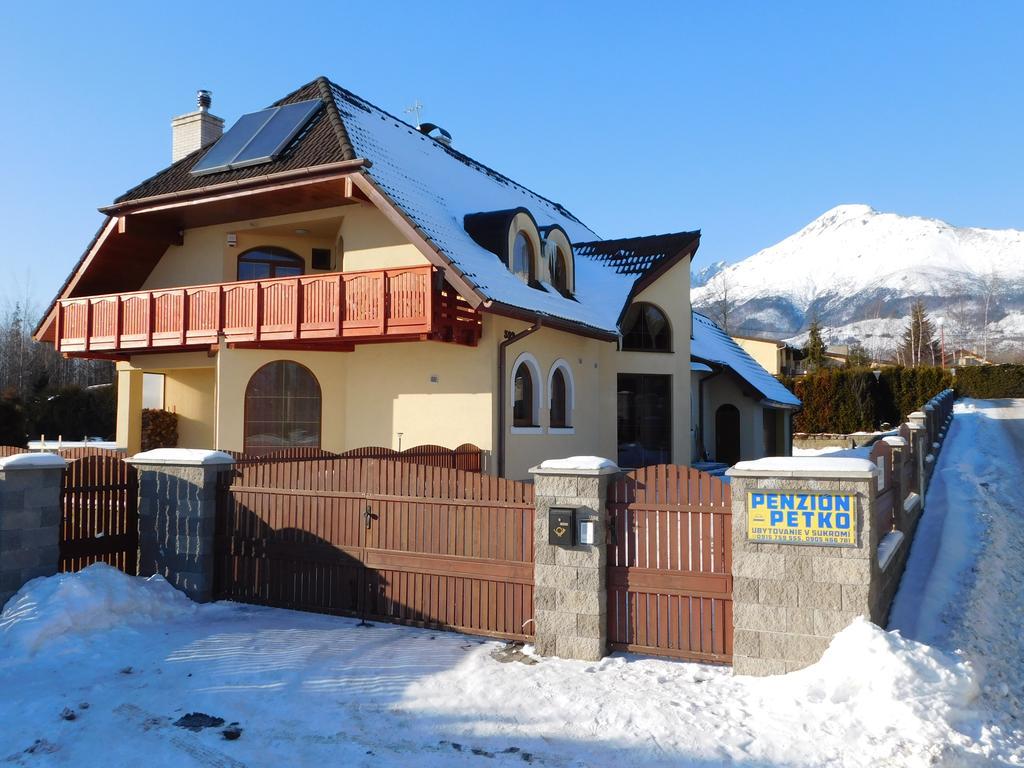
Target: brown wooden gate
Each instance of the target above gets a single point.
(670, 564)
(100, 514)
(389, 540)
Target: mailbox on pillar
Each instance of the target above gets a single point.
(561, 526)
(570, 527)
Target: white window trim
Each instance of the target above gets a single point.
(527, 430)
(538, 394)
(570, 396)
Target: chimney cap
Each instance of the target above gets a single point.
(204, 98)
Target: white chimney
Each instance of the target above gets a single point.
(196, 129)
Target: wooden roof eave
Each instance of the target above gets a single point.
(646, 280)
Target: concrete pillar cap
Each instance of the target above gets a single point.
(187, 457)
(32, 461)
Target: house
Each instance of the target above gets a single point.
(740, 410)
(776, 357)
(964, 357)
(324, 274)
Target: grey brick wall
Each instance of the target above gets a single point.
(177, 519)
(30, 517)
(570, 599)
(790, 599)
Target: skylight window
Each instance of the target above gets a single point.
(257, 137)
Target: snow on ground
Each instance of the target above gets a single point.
(964, 583)
(124, 658)
(127, 657)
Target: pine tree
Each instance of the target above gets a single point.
(918, 346)
(814, 349)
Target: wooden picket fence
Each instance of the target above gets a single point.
(381, 539)
(670, 564)
(467, 456)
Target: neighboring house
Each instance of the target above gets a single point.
(776, 357)
(324, 274)
(740, 410)
(965, 357)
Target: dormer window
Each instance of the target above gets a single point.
(522, 257)
(559, 271)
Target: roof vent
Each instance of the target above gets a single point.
(204, 99)
(437, 133)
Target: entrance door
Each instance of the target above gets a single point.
(727, 434)
(644, 419)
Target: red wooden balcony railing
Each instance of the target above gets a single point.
(340, 305)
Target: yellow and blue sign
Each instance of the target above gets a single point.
(799, 517)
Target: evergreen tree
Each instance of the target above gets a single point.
(859, 357)
(918, 346)
(814, 349)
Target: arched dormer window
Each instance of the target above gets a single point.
(645, 328)
(526, 393)
(558, 255)
(562, 394)
(282, 408)
(269, 261)
(522, 258)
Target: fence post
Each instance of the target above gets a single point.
(570, 597)
(922, 448)
(177, 516)
(30, 519)
(789, 599)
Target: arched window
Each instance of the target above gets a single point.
(522, 257)
(522, 397)
(645, 329)
(560, 272)
(282, 408)
(560, 385)
(526, 392)
(269, 261)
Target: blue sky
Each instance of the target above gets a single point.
(745, 120)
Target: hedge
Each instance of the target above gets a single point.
(845, 400)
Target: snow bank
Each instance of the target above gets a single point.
(69, 604)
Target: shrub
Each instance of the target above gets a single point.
(73, 413)
(159, 429)
(990, 381)
(12, 421)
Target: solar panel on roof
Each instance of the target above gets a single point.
(257, 137)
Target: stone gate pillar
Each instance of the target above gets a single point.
(789, 599)
(30, 517)
(177, 516)
(570, 599)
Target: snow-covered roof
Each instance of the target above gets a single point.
(437, 186)
(710, 344)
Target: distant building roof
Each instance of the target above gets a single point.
(710, 344)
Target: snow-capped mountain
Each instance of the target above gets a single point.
(859, 270)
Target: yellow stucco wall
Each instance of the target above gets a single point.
(369, 240)
(190, 392)
(766, 353)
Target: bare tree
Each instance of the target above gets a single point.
(992, 288)
(721, 302)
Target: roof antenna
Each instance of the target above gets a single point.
(415, 109)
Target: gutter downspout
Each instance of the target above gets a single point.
(504, 345)
(700, 410)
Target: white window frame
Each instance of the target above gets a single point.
(570, 397)
(538, 394)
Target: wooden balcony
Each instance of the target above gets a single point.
(311, 311)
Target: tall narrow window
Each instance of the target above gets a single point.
(523, 397)
(282, 408)
(559, 400)
(560, 272)
(645, 329)
(269, 261)
(522, 257)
